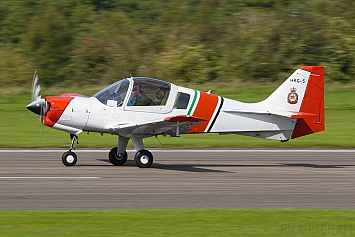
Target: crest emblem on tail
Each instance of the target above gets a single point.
(292, 97)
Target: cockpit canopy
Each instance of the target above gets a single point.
(143, 91)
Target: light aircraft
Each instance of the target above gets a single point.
(139, 107)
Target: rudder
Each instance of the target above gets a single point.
(313, 103)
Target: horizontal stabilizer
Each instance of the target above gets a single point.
(302, 115)
(289, 114)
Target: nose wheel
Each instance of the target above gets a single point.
(69, 158)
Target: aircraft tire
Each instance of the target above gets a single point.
(117, 160)
(69, 158)
(143, 159)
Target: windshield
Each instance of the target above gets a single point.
(114, 94)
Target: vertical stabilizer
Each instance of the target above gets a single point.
(313, 103)
(288, 97)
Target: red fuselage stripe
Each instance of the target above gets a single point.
(204, 110)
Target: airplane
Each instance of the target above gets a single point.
(140, 107)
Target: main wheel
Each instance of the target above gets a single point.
(115, 159)
(69, 158)
(143, 159)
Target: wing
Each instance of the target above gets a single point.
(173, 126)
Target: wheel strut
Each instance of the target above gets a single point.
(74, 138)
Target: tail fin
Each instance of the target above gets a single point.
(313, 102)
(288, 97)
(301, 97)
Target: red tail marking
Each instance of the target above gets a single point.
(313, 103)
(204, 110)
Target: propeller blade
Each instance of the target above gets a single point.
(36, 89)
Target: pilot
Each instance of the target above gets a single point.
(139, 98)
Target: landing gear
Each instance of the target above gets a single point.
(117, 158)
(143, 159)
(118, 155)
(69, 158)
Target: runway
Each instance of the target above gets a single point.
(37, 179)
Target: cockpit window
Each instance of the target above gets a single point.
(114, 94)
(149, 92)
(182, 100)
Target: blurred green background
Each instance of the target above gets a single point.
(87, 42)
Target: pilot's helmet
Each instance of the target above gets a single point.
(138, 88)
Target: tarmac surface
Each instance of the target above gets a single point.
(37, 179)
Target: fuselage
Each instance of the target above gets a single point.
(109, 110)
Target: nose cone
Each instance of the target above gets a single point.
(37, 106)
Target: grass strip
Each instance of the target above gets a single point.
(181, 222)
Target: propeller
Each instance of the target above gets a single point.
(38, 105)
(36, 88)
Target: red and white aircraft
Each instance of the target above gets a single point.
(139, 107)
